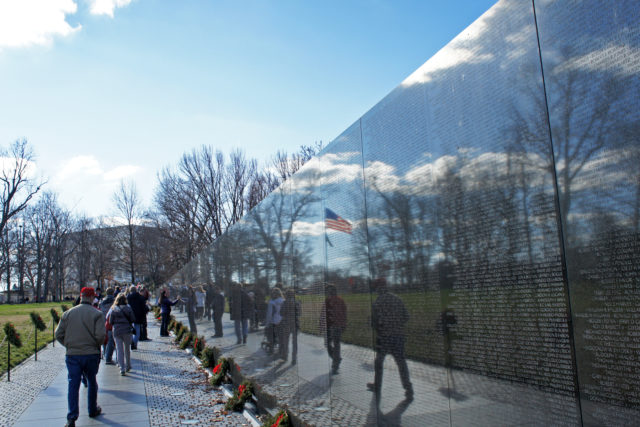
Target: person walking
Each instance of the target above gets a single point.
(139, 307)
(165, 312)
(289, 326)
(81, 331)
(389, 317)
(122, 318)
(218, 310)
(333, 319)
(105, 306)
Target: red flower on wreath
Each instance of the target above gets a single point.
(277, 423)
(195, 344)
(241, 389)
(217, 368)
(238, 367)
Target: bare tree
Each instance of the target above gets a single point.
(102, 246)
(128, 205)
(18, 188)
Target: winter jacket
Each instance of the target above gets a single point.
(121, 317)
(138, 306)
(81, 330)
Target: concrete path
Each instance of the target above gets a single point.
(442, 397)
(164, 388)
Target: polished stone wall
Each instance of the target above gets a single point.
(496, 191)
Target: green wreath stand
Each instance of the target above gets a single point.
(39, 326)
(13, 337)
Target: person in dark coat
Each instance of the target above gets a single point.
(109, 347)
(218, 310)
(241, 307)
(165, 312)
(289, 326)
(139, 307)
(389, 317)
(142, 290)
(333, 319)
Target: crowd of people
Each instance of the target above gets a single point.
(95, 327)
(99, 325)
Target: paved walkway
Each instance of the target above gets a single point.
(164, 388)
(442, 397)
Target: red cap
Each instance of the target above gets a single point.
(88, 292)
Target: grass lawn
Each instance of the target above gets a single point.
(18, 314)
(423, 341)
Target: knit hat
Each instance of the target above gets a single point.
(88, 292)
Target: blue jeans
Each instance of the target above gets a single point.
(111, 345)
(77, 366)
(242, 328)
(136, 337)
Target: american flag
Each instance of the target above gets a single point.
(334, 222)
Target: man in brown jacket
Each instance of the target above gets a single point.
(81, 330)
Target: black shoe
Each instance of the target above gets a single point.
(244, 340)
(95, 413)
(239, 342)
(334, 371)
(70, 423)
(371, 387)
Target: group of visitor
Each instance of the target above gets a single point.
(117, 320)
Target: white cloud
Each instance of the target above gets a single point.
(84, 183)
(120, 172)
(35, 22)
(106, 7)
(622, 59)
(8, 166)
(83, 168)
(79, 165)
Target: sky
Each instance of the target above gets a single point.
(106, 90)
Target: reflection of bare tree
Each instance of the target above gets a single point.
(408, 231)
(275, 217)
(580, 130)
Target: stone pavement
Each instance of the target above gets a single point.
(442, 397)
(164, 388)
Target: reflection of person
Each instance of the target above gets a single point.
(81, 331)
(201, 297)
(333, 317)
(273, 315)
(165, 312)
(218, 311)
(241, 307)
(389, 317)
(289, 326)
(191, 308)
(208, 301)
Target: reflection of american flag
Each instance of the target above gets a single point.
(335, 222)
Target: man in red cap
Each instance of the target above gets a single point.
(81, 330)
